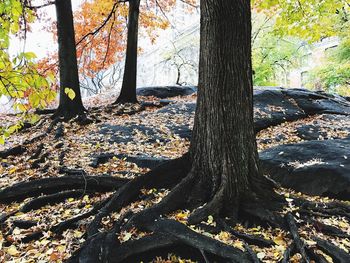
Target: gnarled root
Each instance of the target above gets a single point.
(34, 188)
(165, 175)
(187, 192)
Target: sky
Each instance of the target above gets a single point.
(40, 41)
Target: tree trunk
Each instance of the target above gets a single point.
(128, 90)
(223, 147)
(68, 67)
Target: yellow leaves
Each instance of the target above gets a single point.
(12, 250)
(19, 214)
(86, 198)
(224, 236)
(182, 216)
(78, 234)
(238, 244)
(12, 170)
(70, 93)
(123, 10)
(61, 248)
(44, 242)
(210, 221)
(279, 240)
(343, 225)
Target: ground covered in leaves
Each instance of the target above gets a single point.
(149, 132)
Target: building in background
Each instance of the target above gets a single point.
(314, 56)
(173, 59)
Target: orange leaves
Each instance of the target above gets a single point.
(103, 48)
(99, 48)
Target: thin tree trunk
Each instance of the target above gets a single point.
(128, 90)
(68, 67)
(223, 146)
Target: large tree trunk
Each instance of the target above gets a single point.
(68, 67)
(128, 90)
(223, 146)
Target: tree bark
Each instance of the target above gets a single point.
(69, 76)
(223, 147)
(128, 90)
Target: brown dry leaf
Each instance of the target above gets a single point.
(54, 256)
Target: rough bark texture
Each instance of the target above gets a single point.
(69, 77)
(128, 90)
(223, 147)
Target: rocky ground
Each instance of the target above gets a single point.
(303, 139)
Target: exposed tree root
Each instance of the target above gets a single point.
(68, 113)
(45, 111)
(254, 258)
(174, 200)
(42, 159)
(17, 150)
(59, 133)
(315, 256)
(187, 236)
(166, 233)
(338, 255)
(50, 199)
(59, 228)
(20, 149)
(31, 237)
(325, 210)
(186, 193)
(299, 244)
(135, 108)
(262, 213)
(164, 176)
(328, 230)
(37, 137)
(308, 253)
(250, 239)
(34, 188)
(37, 152)
(288, 253)
(24, 224)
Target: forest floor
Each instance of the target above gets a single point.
(150, 132)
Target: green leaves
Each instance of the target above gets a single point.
(70, 93)
(272, 55)
(20, 77)
(5, 132)
(311, 20)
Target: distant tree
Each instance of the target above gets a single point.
(310, 20)
(70, 102)
(128, 90)
(182, 60)
(334, 74)
(292, 23)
